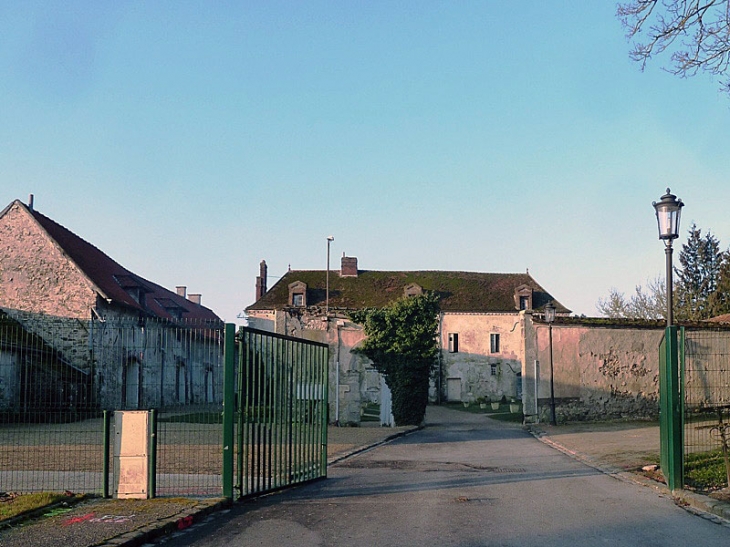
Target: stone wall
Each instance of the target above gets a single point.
(35, 275)
(474, 370)
(599, 372)
(9, 380)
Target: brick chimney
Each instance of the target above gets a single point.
(261, 280)
(195, 298)
(348, 266)
(181, 290)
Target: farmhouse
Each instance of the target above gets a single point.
(482, 326)
(138, 344)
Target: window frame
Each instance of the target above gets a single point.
(453, 342)
(494, 343)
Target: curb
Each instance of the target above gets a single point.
(714, 510)
(167, 526)
(188, 518)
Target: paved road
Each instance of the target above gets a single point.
(466, 481)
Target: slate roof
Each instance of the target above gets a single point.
(111, 278)
(459, 291)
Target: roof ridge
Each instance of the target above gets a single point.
(101, 270)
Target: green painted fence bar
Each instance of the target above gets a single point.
(229, 401)
(671, 410)
(152, 474)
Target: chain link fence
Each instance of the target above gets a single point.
(58, 375)
(706, 407)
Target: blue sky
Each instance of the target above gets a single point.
(191, 140)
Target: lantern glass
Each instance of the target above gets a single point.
(668, 212)
(550, 312)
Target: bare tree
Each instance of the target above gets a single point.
(649, 303)
(695, 33)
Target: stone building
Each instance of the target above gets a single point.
(139, 344)
(482, 326)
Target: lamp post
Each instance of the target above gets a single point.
(668, 210)
(549, 318)
(330, 239)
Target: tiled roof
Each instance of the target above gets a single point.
(111, 278)
(725, 318)
(459, 291)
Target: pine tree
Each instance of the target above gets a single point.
(719, 302)
(698, 277)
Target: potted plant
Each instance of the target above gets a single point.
(495, 404)
(482, 402)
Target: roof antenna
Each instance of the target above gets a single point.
(30, 202)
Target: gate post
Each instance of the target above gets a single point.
(229, 349)
(670, 411)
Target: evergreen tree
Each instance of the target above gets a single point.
(719, 302)
(698, 277)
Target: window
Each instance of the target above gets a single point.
(298, 294)
(493, 371)
(454, 342)
(494, 343)
(524, 302)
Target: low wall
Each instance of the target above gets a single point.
(599, 372)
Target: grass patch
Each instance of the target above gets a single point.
(194, 418)
(13, 506)
(370, 413)
(512, 417)
(705, 471)
(503, 414)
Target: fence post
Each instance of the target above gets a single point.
(152, 472)
(107, 453)
(229, 349)
(670, 411)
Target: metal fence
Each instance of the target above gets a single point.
(58, 375)
(62, 380)
(282, 411)
(706, 382)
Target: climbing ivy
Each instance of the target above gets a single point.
(402, 344)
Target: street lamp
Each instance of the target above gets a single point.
(668, 211)
(671, 434)
(549, 318)
(330, 239)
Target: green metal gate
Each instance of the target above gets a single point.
(280, 417)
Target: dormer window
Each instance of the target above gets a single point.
(523, 297)
(133, 288)
(413, 289)
(298, 294)
(171, 307)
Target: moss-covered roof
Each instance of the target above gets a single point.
(459, 291)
